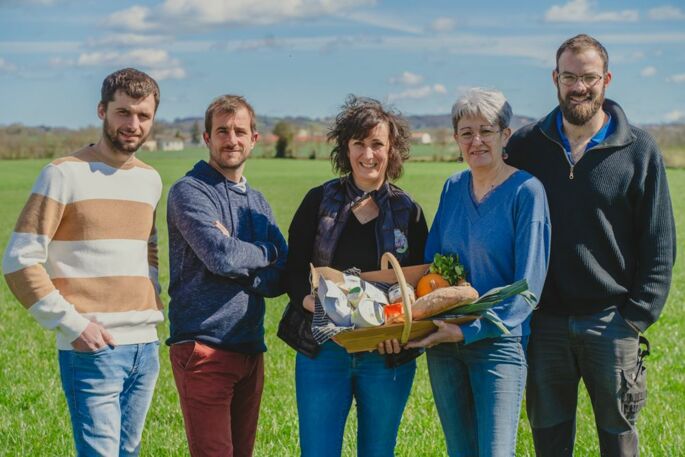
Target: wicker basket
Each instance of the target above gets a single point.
(367, 339)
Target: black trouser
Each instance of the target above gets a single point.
(602, 350)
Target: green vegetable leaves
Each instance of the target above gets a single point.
(448, 267)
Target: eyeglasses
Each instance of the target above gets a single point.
(485, 134)
(569, 79)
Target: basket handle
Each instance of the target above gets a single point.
(386, 259)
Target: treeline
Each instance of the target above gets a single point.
(668, 136)
(21, 142)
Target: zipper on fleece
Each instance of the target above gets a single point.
(563, 151)
(571, 165)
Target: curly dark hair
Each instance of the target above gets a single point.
(134, 83)
(357, 118)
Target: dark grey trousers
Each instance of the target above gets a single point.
(602, 350)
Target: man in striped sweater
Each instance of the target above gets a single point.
(83, 261)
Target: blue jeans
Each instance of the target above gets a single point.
(326, 386)
(478, 390)
(108, 393)
(600, 348)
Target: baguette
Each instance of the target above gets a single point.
(443, 299)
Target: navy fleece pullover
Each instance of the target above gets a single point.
(226, 254)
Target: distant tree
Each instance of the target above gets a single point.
(284, 145)
(195, 133)
(444, 142)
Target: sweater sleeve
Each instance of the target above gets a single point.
(656, 248)
(27, 252)
(267, 281)
(153, 255)
(198, 220)
(301, 235)
(531, 258)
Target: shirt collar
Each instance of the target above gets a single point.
(240, 186)
(606, 130)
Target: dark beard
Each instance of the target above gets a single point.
(579, 114)
(110, 136)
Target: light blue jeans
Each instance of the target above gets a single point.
(326, 386)
(478, 389)
(108, 393)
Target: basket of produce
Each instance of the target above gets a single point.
(371, 313)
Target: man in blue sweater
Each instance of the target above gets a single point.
(613, 250)
(226, 254)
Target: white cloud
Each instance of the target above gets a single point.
(648, 71)
(161, 74)
(679, 78)
(60, 62)
(28, 2)
(418, 92)
(585, 11)
(407, 78)
(627, 56)
(127, 39)
(384, 22)
(136, 18)
(195, 13)
(156, 61)
(443, 24)
(269, 42)
(674, 116)
(644, 38)
(7, 67)
(666, 13)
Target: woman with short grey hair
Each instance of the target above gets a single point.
(496, 219)
(489, 104)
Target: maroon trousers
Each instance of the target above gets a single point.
(220, 392)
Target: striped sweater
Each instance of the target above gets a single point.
(84, 248)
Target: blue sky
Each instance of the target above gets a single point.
(302, 57)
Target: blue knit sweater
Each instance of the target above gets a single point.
(504, 238)
(218, 282)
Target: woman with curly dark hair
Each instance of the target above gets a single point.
(349, 222)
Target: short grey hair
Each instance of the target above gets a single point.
(487, 103)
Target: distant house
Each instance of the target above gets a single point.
(149, 145)
(171, 144)
(268, 138)
(421, 138)
(302, 135)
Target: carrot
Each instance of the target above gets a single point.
(441, 300)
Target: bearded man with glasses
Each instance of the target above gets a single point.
(613, 250)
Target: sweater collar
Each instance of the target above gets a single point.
(620, 137)
(212, 177)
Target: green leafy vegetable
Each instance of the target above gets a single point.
(449, 267)
(483, 306)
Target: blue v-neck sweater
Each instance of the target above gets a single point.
(504, 238)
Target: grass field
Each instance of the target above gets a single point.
(33, 414)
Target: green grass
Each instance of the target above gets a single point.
(33, 414)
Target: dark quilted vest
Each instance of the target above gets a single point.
(392, 226)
